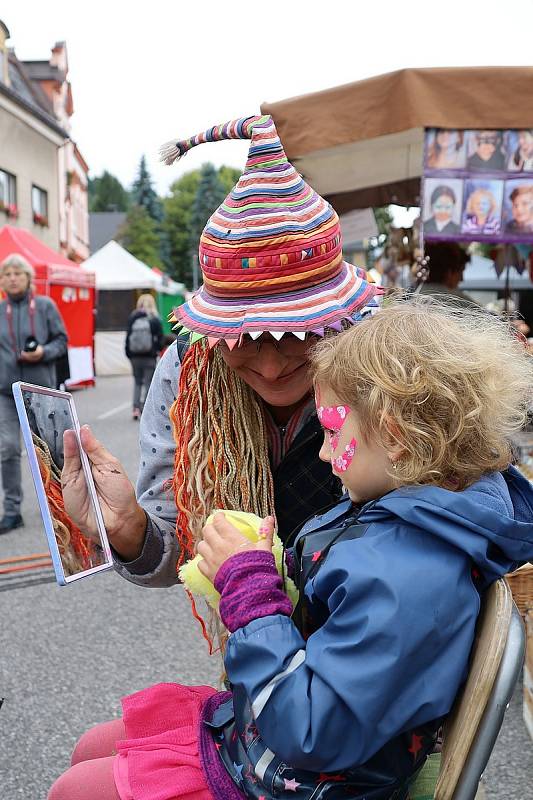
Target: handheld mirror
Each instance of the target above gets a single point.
(44, 415)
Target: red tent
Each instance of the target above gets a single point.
(71, 287)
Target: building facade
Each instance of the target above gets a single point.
(43, 176)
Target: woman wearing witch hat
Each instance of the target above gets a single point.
(230, 418)
(344, 696)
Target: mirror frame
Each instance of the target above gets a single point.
(18, 393)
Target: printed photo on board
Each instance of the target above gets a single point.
(485, 152)
(445, 149)
(482, 207)
(442, 206)
(518, 206)
(519, 147)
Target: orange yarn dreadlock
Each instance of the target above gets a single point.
(221, 458)
(77, 551)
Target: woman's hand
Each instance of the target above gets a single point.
(32, 356)
(221, 540)
(124, 519)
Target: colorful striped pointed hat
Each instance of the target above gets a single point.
(271, 254)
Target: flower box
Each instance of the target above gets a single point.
(9, 209)
(41, 220)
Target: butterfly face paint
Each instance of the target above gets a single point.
(332, 419)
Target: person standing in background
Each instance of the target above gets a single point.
(446, 264)
(144, 341)
(32, 339)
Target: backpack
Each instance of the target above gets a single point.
(140, 341)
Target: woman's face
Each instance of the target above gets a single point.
(486, 144)
(482, 204)
(14, 281)
(443, 208)
(525, 143)
(444, 139)
(276, 371)
(523, 209)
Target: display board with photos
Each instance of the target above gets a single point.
(478, 185)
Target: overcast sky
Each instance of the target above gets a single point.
(146, 72)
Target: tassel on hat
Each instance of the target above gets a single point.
(235, 129)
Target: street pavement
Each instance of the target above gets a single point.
(69, 653)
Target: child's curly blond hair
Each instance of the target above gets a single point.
(447, 384)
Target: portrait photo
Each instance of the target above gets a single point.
(442, 206)
(445, 149)
(519, 150)
(518, 207)
(482, 207)
(485, 151)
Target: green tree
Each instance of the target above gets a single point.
(106, 193)
(209, 195)
(383, 220)
(228, 177)
(143, 193)
(140, 237)
(177, 208)
(187, 209)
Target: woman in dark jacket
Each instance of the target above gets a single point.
(144, 340)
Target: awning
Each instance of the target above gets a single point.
(361, 144)
(115, 268)
(49, 266)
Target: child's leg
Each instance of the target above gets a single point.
(87, 780)
(99, 742)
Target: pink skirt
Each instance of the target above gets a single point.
(159, 759)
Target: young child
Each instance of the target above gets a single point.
(345, 698)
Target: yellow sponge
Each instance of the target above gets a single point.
(248, 525)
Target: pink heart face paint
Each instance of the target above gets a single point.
(332, 419)
(342, 462)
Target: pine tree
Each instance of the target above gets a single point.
(209, 195)
(140, 237)
(143, 194)
(106, 193)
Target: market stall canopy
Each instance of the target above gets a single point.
(361, 144)
(49, 266)
(115, 268)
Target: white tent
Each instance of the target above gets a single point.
(117, 270)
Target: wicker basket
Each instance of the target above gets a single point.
(521, 583)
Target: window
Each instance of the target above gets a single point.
(8, 189)
(39, 204)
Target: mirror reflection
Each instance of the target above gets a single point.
(49, 416)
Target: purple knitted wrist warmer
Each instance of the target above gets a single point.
(250, 588)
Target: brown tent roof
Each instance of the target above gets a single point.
(368, 135)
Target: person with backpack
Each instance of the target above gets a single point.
(144, 340)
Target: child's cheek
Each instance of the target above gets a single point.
(341, 463)
(334, 440)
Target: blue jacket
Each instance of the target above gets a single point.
(402, 603)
